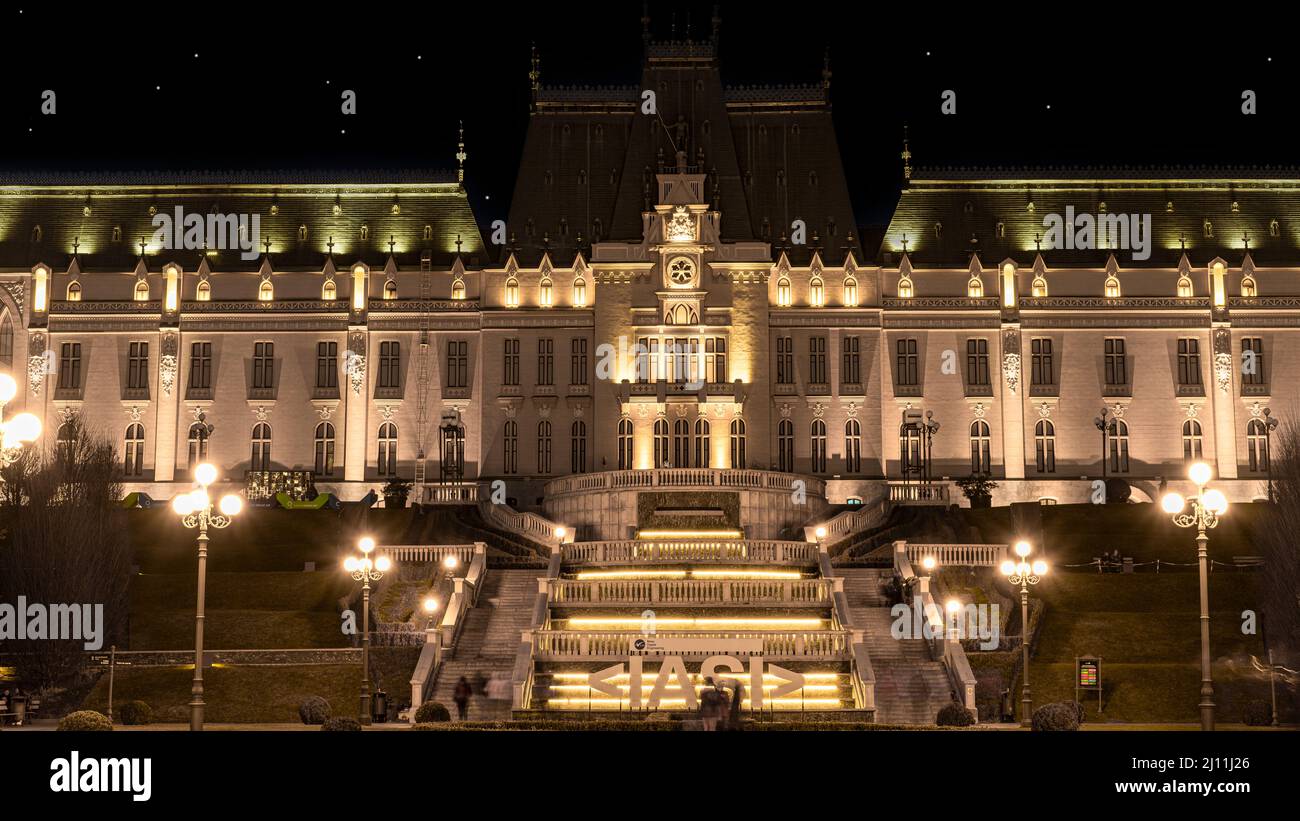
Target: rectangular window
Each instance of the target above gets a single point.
(784, 360)
(510, 375)
(908, 371)
(457, 364)
(1116, 363)
(1041, 369)
(264, 365)
(327, 364)
(851, 367)
(578, 362)
(70, 366)
(1189, 362)
(817, 360)
(201, 365)
(1252, 361)
(715, 360)
(137, 372)
(390, 364)
(977, 362)
(546, 361)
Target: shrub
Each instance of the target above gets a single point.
(314, 710)
(1078, 709)
(136, 713)
(1058, 717)
(83, 721)
(341, 724)
(432, 711)
(1257, 714)
(954, 715)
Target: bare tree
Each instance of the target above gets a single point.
(1280, 580)
(64, 542)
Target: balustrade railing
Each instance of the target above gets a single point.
(528, 525)
(965, 555)
(633, 551)
(919, 493)
(553, 645)
(440, 640)
(682, 477)
(943, 647)
(429, 552)
(568, 592)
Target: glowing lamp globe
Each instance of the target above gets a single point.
(231, 505)
(1022, 549)
(450, 562)
(430, 604)
(1008, 568)
(559, 532)
(383, 563)
(200, 499)
(366, 544)
(183, 504)
(24, 427)
(8, 387)
(1215, 502)
(953, 605)
(1040, 568)
(928, 563)
(350, 564)
(1172, 503)
(205, 474)
(821, 532)
(1200, 473)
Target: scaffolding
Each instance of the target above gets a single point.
(425, 374)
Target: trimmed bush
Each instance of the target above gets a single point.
(314, 710)
(432, 711)
(1257, 714)
(1058, 717)
(84, 721)
(954, 715)
(136, 713)
(345, 724)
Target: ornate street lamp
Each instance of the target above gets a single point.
(366, 570)
(1270, 424)
(1206, 508)
(1101, 424)
(930, 427)
(1024, 573)
(195, 510)
(18, 431)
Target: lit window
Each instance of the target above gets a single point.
(1184, 287)
(204, 292)
(547, 299)
(1248, 287)
(816, 293)
(783, 298)
(265, 292)
(975, 287)
(329, 291)
(142, 291)
(905, 290)
(1039, 287)
(1112, 287)
(74, 292)
(390, 290)
(580, 293)
(681, 272)
(850, 292)
(458, 289)
(512, 293)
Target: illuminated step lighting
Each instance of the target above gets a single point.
(689, 534)
(624, 677)
(646, 688)
(623, 704)
(596, 575)
(694, 623)
(746, 574)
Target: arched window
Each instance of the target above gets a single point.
(1112, 287)
(7, 339)
(580, 293)
(261, 458)
(681, 444)
(133, 458)
(74, 291)
(198, 442)
(390, 289)
(1039, 287)
(818, 446)
(324, 449)
(816, 292)
(905, 289)
(785, 446)
(547, 294)
(980, 447)
(387, 449)
(852, 446)
(204, 291)
(702, 441)
(65, 440)
(1045, 446)
(578, 447)
(458, 289)
(265, 291)
(1257, 446)
(850, 292)
(1248, 287)
(661, 443)
(510, 448)
(512, 293)
(329, 291)
(975, 287)
(543, 447)
(783, 298)
(738, 444)
(1184, 287)
(142, 291)
(1118, 446)
(1191, 440)
(625, 444)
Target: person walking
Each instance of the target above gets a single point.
(710, 706)
(461, 697)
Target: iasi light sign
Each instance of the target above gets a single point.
(672, 675)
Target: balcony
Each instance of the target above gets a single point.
(261, 393)
(1045, 390)
(198, 394)
(985, 389)
(510, 390)
(908, 390)
(784, 389)
(1191, 390)
(136, 394)
(1125, 390)
(579, 390)
(325, 393)
(1259, 389)
(818, 389)
(918, 493)
(383, 392)
(852, 389)
(460, 392)
(62, 393)
(543, 390)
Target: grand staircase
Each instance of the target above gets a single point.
(487, 643)
(910, 686)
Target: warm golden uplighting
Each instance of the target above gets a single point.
(689, 534)
(704, 623)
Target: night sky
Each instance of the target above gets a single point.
(243, 87)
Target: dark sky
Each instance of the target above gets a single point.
(264, 89)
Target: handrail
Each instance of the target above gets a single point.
(453, 493)
(682, 477)
(942, 645)
(632, 551)
(848, 523)
(428, 552)
(919, 493)
(569, 592)
(527, 525)
(439, 640)
(965, 555)
(789, 644)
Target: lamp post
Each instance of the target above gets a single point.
(1101, 425)
(931, 427)
(366, 570)
(1270, 423)
(19, 430)
(1024, 573)
(1206, 508)
(195, 510)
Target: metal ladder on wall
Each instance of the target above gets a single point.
(424, 375)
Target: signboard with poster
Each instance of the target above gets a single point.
(1087, 676)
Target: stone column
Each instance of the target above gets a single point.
(1225, 412)
(1011, 391)
(356, 393)
(167, 405)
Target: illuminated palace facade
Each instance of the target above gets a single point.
(678, 289)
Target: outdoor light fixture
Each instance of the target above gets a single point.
(366, 570)
(195, 510)
(820, 532)
(1206, 508)
(18, 431)
(451, 562)
(929, 563)
(1024, 573)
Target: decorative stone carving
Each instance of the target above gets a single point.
(167, 364)
(1256, 410)
(1223, 371)
(1193, 410)
(851, 410)
(325, 412)
(67, 413)
(1118, 410)
(39, 363)
(1045, 410)
(17, 292)
(818, 409)
(978, 410)
(785, 410)
(387, 411)
(1011, 371)
(135, 413)
(261, 413)
(681, 225)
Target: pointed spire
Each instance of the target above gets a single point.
(1248, 265)
(1184, 265)
(535, 76)
(460, 154)
(907, 158)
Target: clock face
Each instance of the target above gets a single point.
(681, 271)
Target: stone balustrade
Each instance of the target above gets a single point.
(963, 555)
(692, 592)
(683, 478)
(633, 551)
(562, 645)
